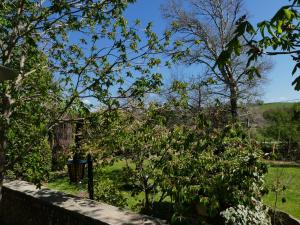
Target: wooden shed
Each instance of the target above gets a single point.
(61, 139)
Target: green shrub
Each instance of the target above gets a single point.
(200, 169)
(220, 170)
(29, 154)
(106, 191)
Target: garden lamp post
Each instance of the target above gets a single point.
(5, 74)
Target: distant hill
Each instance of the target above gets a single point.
(273, 105)
(255, 112)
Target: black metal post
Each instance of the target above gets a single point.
(90, 177)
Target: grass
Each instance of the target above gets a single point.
(114, 172)
(289, 177)
(275, 105)
(62, 184)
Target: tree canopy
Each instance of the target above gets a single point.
(91, 51)
(277, 36)
(204, 29)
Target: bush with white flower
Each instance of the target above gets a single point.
(246, 215)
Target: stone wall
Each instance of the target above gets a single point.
(23, 204)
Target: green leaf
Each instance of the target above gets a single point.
(249, 28)
(240, 30)
(278, 15)
(244, 27)
(261, 27)
(288, 13)
(295, 68)
(197, 42)
(279, 25)
(224, 58)
(296, 82)
(253, 71)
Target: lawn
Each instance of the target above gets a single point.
(289, 177)
(114, 172)
(61, 183)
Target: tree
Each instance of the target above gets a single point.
(28, 154)
(143, 142)
(277, 36)
(91, 49)
(283, 127)
(205, 28)
(200, 94)
(195, 91)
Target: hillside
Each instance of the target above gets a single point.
(273, 105)
(254, 115)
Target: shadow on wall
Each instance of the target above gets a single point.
(23, 204)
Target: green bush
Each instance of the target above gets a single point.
(221, 169)
(29, 154)
(106, 191)
(200, 169)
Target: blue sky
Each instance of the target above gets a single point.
(278, 88)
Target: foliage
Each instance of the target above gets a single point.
(29, 155)
(277, 36)
(203, 28)
(143, 144)
(87, 49)
(283, 127)
(106, 191)
(193, 164)
(90, 47)
(222, 170)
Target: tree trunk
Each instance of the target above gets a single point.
(234, 102)
(233, 88)
(199, 99)
(146, 192)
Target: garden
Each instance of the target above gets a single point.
(81, 81)
(287, 200)
(177, 172)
